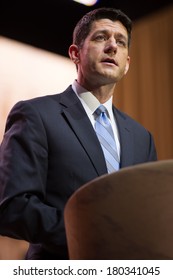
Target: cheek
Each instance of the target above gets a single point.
(93, 51)
(88, 61)
(89, 58)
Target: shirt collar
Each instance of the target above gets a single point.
(89, 99)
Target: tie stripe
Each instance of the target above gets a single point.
(106, 137)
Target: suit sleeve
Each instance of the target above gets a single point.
(24, 213)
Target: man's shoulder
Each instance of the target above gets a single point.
(131, 121)
(44, 100)
(40, 103)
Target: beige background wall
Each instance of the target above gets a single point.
(146, 93)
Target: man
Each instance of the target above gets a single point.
(50, 147)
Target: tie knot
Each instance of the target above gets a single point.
(100, 109)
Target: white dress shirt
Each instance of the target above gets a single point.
(91, 103)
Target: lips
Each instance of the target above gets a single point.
(110, 61)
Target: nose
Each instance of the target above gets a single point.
(111, 45)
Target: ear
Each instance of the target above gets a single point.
(74, 53)
(127, 65)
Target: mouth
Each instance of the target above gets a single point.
(109, 61)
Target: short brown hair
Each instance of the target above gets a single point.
(83, 26)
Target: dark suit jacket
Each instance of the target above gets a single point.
(49, 150)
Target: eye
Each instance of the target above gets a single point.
(121, 43)
(100, 37)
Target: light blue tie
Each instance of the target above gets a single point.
(105, 135)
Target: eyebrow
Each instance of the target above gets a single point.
(105, 31)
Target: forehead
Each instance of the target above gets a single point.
(109, 25)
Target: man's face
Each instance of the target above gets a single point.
(103, 58)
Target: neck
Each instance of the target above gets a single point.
(102, 93)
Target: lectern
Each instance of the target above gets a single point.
(126, 215)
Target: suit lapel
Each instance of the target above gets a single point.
(77, 118)
(126, 139)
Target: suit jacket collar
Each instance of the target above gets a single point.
(77, 118)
